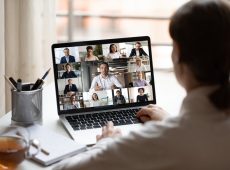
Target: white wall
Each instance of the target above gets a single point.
(29, 34)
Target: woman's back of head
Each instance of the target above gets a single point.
(202, 31)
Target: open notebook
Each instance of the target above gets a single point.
(58, 146)
(55, 147)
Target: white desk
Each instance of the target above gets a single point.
(50, 120)
(168, 93)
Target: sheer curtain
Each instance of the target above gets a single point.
(2, 59)
(27, 32)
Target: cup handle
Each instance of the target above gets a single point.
(32, 144)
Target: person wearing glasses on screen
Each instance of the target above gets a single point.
(105, 81)
(68, 73)
(67, 58)
(137, 51)
(90, 56)
(113, 53)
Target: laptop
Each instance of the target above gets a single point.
(102, 80)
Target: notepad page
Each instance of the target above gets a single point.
(58, 146)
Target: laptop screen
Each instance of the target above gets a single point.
(103, 74)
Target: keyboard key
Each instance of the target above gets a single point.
(121, 123)
(128, 122)
(81, 126)
(116, 123)
(76, 128)
(102, 123)
(136, 121)
(96, 126)
(90, 121)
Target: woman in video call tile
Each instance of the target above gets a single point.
(139, 66)
(142, 97)
(137, 51)
(140, 82)
(95, 100)
(74, 104)
(68, 73)
(105, 81)
(113, 53)
(89, 55)
(119, 98)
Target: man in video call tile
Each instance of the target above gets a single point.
(119, 98)
(70, 87)
(140, 82)
(137, 51)
(67, 58)
(68, 73)
(104, 81)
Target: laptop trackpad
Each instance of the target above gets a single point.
(88, 137)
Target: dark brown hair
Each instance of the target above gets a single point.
(202, 31)
(89, 48)
(138, 43)
(141, 89)
(68, 64)
(96, 97)
(110, 48)
(105, 63)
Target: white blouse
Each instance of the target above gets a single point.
(114, 55)
(198, 139)
(140, 68)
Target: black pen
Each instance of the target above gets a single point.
(12, 82)
(38, 84)
(19, 85)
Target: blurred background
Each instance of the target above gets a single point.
(28, 28)
(96, 19)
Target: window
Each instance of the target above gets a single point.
(97, 19)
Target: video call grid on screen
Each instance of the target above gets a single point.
(125, 64)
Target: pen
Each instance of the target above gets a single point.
(38, 84)
(35, 143)
(46, 74)
(19, 85)
(12, 82)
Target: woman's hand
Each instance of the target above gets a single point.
(151, 112)
(109, 131)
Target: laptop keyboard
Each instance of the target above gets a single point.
(97, 120)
